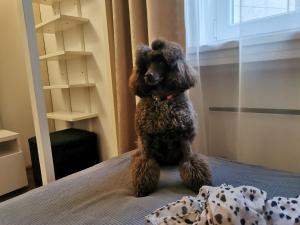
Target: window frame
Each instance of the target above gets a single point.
(220, 29)
(227, 31)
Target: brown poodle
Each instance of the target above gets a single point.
(165, 119)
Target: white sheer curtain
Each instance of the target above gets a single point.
(247, 54)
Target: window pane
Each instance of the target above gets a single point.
(258, 9)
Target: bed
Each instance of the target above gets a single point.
(102, 194)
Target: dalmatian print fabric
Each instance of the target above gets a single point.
(227, 205)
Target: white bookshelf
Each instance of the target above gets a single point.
(47, 2)
(60, 23)
(68, 86)
(65, 55)
(12, 168)
(71, 116)
(6, 135)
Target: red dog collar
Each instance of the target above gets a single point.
(158, 98)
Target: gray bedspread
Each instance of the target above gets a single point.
(103, 194)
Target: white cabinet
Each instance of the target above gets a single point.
(12, 167)
(66, 59)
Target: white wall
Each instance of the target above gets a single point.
(262, 139)
(15, 111)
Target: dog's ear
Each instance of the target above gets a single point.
(136, 80)
(189, 75)
(137, 84)
(183, 77)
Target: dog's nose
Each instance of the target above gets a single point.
(149, 76)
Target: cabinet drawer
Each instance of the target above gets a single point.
(12, 172)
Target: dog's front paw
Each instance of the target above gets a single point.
(195, 173)
(145, 175)
(141, 193)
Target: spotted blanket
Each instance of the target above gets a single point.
(226, 204)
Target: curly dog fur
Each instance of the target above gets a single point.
(165, 119)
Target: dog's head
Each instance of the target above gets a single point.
(161, 69)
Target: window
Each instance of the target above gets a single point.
(210, 22)
(253, 10)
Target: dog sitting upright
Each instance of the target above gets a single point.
(165, 119)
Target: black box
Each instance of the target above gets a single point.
(72, 150)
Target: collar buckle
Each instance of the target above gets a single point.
(156, 98)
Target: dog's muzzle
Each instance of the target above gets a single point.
(151, 79)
